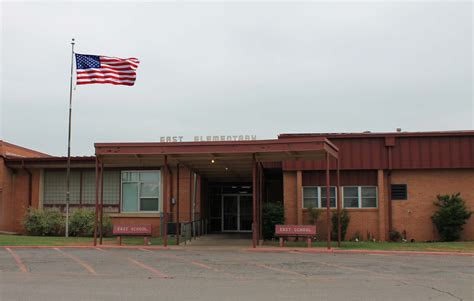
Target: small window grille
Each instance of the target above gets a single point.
(399, 192)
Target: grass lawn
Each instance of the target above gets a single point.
(458, 246)
(24, 240)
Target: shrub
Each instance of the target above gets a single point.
(313, 215)
(44, 222)
(107, 225)
(395, 236)
(33, 221)
(345, 219)
(450, 217)
(272, 214)
(82, 223)
(357, 236)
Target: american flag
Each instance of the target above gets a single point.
(97, 69)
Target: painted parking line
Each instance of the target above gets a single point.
(202, 265)
(386, 276)
(140, 264)
(345, 267)
(264, 266)
(82, 263)
(18, 261)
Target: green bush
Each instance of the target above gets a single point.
(450, 217)
(81, 223)
(51, 222)
(345, 219)
(44, 222)
(272, 214)
(395, 236)
(314, 214)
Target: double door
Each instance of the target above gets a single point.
(236, 212)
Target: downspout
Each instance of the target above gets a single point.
(30, 182)
(390, 143)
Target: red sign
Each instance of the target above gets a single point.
(131, 229)
(303, 230)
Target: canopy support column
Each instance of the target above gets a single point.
(96, 199)
(339, 204)
(328, 203)
(177, 206)
(165, 201)
(254, 202)
(101, 224)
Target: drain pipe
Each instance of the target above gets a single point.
(390, 143)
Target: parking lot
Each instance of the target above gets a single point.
(228, 274)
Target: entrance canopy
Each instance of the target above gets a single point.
(216, 161)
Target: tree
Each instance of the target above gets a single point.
(450, 217)
(272, 214)
(313, 215)
(345, 219)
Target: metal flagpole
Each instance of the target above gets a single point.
(68, 173)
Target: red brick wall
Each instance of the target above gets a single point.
(289, 197)
(14, 189)
(362, 220)
(414, 214)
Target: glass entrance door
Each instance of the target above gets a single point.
(246, 212)
(236, 213)
(230, 208)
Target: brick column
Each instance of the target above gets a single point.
(381, 205)
(299, 197)
(289, 197)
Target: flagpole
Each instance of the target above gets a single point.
(68, 173)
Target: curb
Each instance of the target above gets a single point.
(359, 251)
(90, 247)
(259, 249)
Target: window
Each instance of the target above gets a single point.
(360, 197)
(315, 197)
(140, 191)
(82, 188)
(399, 192)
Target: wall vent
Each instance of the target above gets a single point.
(399, 192)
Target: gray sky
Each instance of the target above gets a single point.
(235, 68)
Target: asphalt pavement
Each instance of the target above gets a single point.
(229, 274)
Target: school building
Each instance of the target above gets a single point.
(386, 181)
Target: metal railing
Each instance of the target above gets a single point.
(187, 231)
(192, 230)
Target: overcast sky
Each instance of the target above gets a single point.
(235, 68)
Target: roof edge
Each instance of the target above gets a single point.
(23, 148)
(379, 134)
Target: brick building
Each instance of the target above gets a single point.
(16, 189)
(388, 181)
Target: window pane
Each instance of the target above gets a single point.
(351, 202)
(351, 192)
(310, 202)
(128, 176)
(148, 204)
(130, 197)
(332, 191)
(332, 197)
(149, 177)
(369, 202)
(332, 204)
(369, 192)
(310, 192)
(148, 190)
